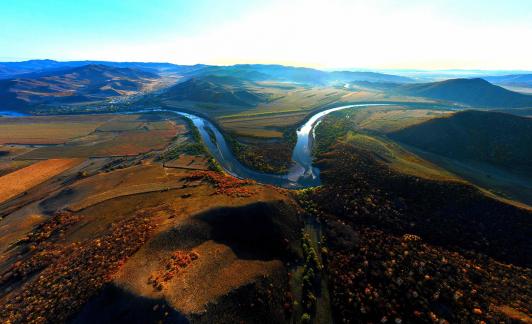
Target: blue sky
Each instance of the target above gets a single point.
(334, 33)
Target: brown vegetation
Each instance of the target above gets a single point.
(225, 184)
(79, 270)
(179, 260)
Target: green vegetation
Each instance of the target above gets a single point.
(331, 128)
(270, 157)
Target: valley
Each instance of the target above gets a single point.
(260, 193)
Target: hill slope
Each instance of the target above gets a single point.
(84, 83)
(473, 92)
(418, 250)
(215, 89)
(496, 138)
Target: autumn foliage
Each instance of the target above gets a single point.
(176, 263)
(225, 184)
(78, 270)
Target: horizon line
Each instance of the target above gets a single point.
(405, 69)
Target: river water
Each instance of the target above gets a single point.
(302, 173)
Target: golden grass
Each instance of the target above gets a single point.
(389, 119)
(398, 158)
(81, 136)
(47, 133)
(21, 180)
(56, 129)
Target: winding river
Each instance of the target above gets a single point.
(302, 173)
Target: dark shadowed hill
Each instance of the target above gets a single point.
(472, 92)
(418, 250)
(500, 139)
(79, 84)
(215, 89)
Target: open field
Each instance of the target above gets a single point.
(385, 119)
(91, 135)
(21, 180)
(185, 161)
(8, 163)
(47, 130)
(268, 120)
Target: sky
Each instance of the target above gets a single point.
(377, 34)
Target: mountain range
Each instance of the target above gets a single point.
(255, 72)
(80, 84)
(51, 82)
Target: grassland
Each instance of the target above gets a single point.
(47, 130)
(18, 182)
(90, 135)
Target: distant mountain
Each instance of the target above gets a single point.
(12, 69)
(263, 72)
(252, 72)
(497, 138)
(215, 89)
(80, 84)
(18, 69)
(516, 80)
(349, 76)
(473, 92)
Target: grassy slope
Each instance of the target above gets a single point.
(472, 92)
(374, 127)
(487, 148)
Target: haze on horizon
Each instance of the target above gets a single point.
(383, 34)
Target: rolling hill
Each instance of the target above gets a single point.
(496, 138)
(263, 72)
(473, 92)
(81, 84)
(251, 72)
(215, 89)
(25, 69)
